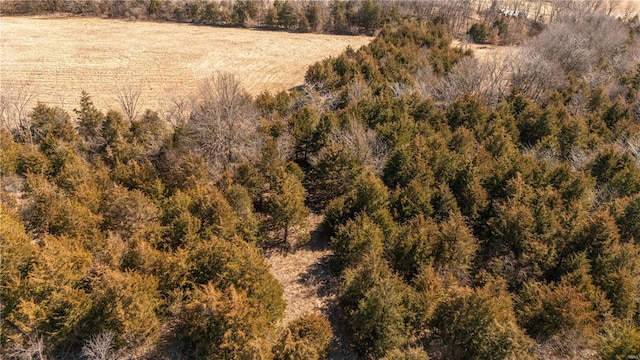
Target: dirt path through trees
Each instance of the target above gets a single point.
(310, 285)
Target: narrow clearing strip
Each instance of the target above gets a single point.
(310, 286)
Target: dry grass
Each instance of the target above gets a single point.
(302, 286)
(483, 51)
(305, 275)
(58, 57)
(310, 286)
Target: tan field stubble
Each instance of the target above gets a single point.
(57, 57)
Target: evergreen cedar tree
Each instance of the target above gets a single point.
(502, 230)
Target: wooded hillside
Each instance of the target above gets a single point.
(478, 208)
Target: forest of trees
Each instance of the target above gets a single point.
(479, 208)
(337, 16)
(350, 17)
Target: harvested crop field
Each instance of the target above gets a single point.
(55, 58)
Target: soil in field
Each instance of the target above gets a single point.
(55, 58)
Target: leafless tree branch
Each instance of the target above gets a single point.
(129, 100)
(32, 350)
(488, 78)
(319, 97)
(178, 110)
(100, 347)
(363, 143)
(15, 102)
(224, 125)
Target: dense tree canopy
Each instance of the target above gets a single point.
(473, 213)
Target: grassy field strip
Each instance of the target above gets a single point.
(56, 58)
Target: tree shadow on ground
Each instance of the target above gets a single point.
(322, 277)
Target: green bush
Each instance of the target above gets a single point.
(238, 264)
(480, 325)
(356, 238)
(307, 337)
(480, 33)
(620, 341)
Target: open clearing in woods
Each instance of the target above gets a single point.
(55, 58)
(310, 286)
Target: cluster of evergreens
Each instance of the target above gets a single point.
(116, 237)
(506, 231)
(477, 226)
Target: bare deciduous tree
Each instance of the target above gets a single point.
(31, 350)
(363, 143)
(426, 82)
(578, 46)
(358, 89)
(129, 100)
(579, 158)
(319, 97)
(534, 76)
(15, 103)
(286, 146)
(100, 347)
(593, 47)
(224, 124)
(636, 108)
(488, 78)
(537, 10)
(464, 78)
(632, 145)
(177, 111)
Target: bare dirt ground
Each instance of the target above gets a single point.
(58, 57)
(310, 285)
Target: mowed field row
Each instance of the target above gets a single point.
(55, 58)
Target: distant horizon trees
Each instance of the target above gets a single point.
(466, 222)
(503, 21)
(353, 17)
